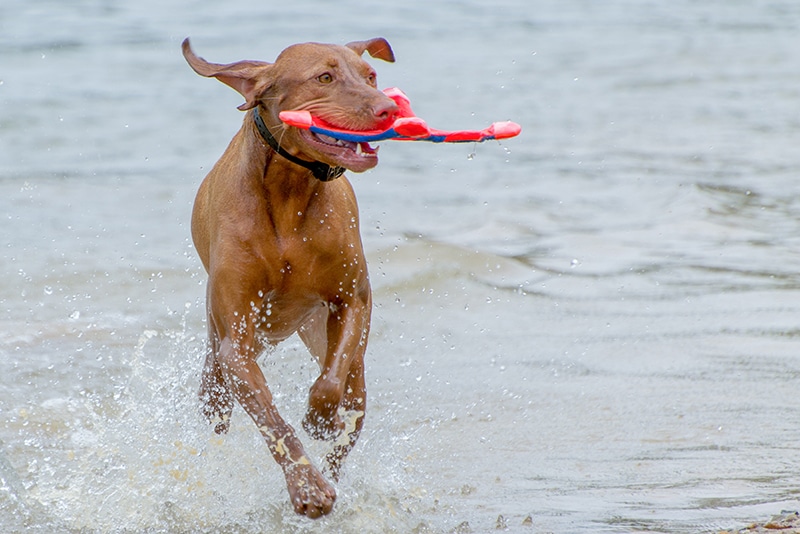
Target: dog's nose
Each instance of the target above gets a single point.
(385, 110)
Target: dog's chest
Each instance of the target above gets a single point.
(316, 266)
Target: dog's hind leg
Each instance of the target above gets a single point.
(314, 334)
(337, 400)
(214, 392)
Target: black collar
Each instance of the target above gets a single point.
(321, 171)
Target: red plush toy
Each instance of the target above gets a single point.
(407, 127)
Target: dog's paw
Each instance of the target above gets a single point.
(222, 427)
(217, 406)
(311, 495)
(323, 427)
(221, 419)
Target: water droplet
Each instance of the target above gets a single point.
(48, 290)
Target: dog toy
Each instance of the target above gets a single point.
(407, 127)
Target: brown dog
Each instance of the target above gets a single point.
(278, 234)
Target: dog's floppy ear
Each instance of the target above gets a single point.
(249, 78)
(378, 48)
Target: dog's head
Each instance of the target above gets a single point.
(332, 82)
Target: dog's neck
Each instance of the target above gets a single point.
(321, 171)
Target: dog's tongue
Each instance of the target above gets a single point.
(366, 148)
(362, 147)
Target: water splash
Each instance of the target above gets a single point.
(21, 513)
(138, 456)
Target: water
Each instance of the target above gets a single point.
(590, 328)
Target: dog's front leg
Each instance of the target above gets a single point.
(338, 399)
(310, 494)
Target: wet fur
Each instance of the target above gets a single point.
(283, 254)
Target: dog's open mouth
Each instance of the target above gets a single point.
(357, 157)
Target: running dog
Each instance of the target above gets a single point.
(276, 226)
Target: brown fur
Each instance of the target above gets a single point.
(283, 253)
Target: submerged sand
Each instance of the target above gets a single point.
(784, 523)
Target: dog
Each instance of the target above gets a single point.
(276, 227)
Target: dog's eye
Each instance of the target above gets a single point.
(325, 78)
(371, 79)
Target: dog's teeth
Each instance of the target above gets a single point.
(327, 139)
